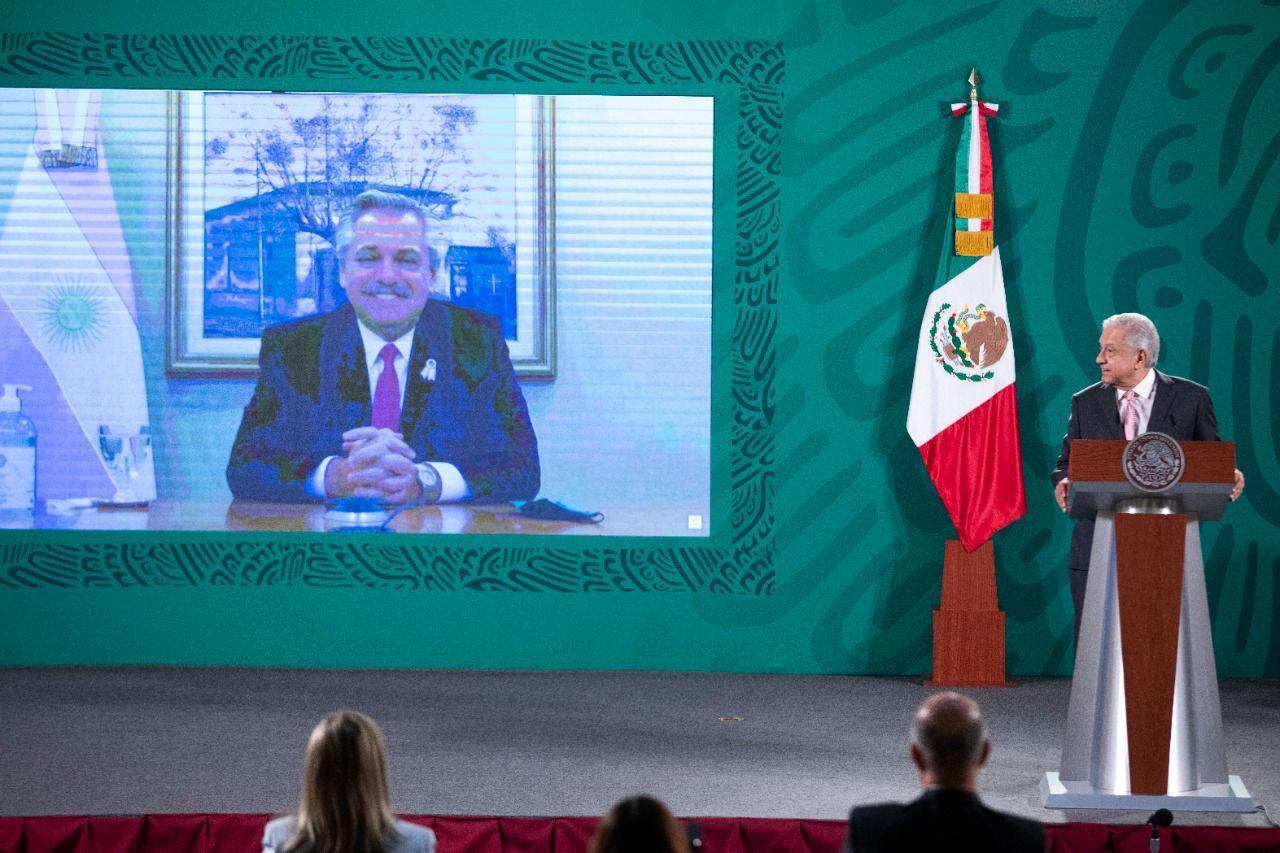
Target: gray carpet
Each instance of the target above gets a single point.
(129, 741)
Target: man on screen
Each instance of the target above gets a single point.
(393, 396)
(1132, 398)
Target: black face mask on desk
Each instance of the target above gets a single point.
(546, 510)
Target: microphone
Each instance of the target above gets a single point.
(1160, 817)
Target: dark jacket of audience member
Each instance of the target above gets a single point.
(346, 804)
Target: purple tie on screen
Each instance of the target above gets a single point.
(386, 395)
(1130, 415)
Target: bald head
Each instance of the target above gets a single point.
(949, 740)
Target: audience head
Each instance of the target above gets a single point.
(949, 741)
(346, 804)
(639, 825)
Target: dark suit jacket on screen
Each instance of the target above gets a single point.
(1182, 409)
(313, 386)
(940, 820)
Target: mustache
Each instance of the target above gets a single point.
(395, 288)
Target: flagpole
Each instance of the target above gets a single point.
(963, 387)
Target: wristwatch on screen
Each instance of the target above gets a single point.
(429, 479)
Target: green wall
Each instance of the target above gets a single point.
(1136, 154)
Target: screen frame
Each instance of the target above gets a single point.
(744, 77)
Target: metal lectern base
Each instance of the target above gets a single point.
(1229, 797)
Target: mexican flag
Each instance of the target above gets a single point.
(963, 414)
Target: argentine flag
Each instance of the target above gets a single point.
(68, 317)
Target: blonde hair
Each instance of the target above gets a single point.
(346, 804)
(639, 825)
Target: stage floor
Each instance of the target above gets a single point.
(153, 740)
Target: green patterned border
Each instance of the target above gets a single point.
(754, 68)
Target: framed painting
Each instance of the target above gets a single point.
(258, 183)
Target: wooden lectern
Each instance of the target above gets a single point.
(1144, 724)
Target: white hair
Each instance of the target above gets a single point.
(374, 200)
(1139, 333)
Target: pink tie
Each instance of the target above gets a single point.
(386, 394)
(1130, 415)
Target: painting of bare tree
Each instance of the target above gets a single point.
(269, 175)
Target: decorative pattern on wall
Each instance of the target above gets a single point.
(253, 62)
(1137, 167)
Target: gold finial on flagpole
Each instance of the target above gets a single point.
(974, 80)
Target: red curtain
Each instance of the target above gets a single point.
(242, 833)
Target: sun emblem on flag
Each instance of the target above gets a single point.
(968, 341)
(72, 316)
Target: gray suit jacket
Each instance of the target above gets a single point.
(413, 838)
(1182, 409)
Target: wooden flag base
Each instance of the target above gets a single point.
(968, 629)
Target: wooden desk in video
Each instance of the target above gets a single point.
(252, 516)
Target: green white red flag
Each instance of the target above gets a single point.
(963, 414)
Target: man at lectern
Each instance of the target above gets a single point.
(949, 745)
(1132, 398)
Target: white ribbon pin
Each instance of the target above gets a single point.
(429, 370)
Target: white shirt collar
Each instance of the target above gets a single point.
(373, 344)
(1142, 389)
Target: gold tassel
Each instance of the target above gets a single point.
(973, 205)
(974, 243)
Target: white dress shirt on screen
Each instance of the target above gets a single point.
(453, 486)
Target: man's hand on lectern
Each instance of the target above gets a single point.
(1235, 493)
(1061, 491)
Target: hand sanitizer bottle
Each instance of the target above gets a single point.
(17, 459)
